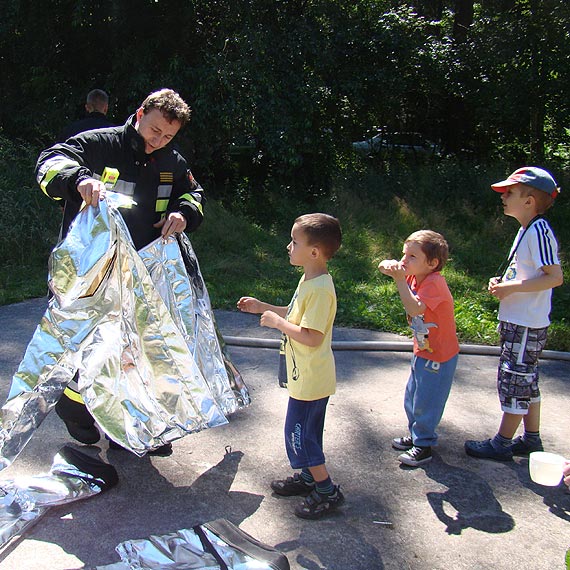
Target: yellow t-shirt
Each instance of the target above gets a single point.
(311, 373)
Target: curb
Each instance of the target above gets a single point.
(386, 346)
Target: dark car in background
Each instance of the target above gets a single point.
(414, 144)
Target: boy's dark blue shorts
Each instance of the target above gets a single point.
(304, 426)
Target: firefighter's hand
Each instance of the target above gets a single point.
(174, 223)
(91, 191)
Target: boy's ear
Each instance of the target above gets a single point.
(433, 263)
(315, 252)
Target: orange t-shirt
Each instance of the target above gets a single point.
(435, 336)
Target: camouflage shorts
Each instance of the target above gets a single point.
(517, 378)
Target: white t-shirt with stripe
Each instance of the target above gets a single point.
(537, 249)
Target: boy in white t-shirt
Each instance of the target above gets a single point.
(307, 325)
(524, 290)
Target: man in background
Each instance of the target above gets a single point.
(96, 107)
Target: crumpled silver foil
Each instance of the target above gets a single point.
(140, 330)
(181, 550)
(25, 500)
(174, 270)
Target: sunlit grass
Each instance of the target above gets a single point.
(375, 223)
(243, 254)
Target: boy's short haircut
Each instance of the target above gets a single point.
(321, 230)
(170, 104)
(542, 200)
(432, 244)
(97, 98)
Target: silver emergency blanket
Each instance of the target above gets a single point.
(73, 476)
(183, 550)
(140, 330)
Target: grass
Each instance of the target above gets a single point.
(377, 211)
(378, 206)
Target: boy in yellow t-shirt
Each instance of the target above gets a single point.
(307, 325)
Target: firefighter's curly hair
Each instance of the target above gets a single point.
(169, 103)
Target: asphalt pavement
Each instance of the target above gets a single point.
(456, 512)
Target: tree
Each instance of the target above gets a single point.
(298, 80)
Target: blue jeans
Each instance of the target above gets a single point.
(427, 391)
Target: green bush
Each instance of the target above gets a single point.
(29, 223)
(29, 220)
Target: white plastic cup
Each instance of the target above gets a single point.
(546, 468)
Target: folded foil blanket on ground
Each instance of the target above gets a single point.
(139, 328)
(73, 476)
(215, 545)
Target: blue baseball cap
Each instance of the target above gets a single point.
(532, 176)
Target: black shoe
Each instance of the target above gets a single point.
(484, 450)
(520, 447)
(292, 486)
(317, 505)
(162, 451)
(416, 456)
(113, 444)
(83, 433)
(403, 443)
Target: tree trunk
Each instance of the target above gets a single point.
(456, 112)
(537, 132)
(538, 84)
(463, 20)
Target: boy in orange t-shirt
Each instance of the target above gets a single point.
(429, 306)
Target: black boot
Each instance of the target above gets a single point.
(78, 421)
(162, 451)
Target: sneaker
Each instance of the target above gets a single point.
(87, 434)
(292, 486)
(485, 450)
(317, 505)
(521, 447)
(416, 456)
(403, 443)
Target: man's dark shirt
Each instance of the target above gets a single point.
(94, 120)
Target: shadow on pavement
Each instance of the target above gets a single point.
(149, 502)
(457, 512)
(557, 499)
(470, 496)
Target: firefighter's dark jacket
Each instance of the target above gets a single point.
(159, 183)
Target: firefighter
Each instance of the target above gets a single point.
(167, 199)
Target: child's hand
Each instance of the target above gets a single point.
(498, 288)
(493, 282)
(270, 319)
(492, 287)
(249, 305)
(391, 267)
